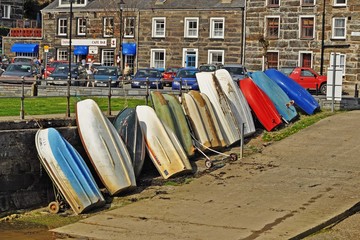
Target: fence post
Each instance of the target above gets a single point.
(242, 140)
(68, 97)
(181, 82)
(22, 97)
(147, 91)
(109, 98)
(356, 91)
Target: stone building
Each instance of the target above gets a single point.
(283, 33)
(154, 33)
(11, 11)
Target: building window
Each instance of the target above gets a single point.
(62, 26)
(339, 28)
(129, 27)
(341, 3)
(217, 27)
(76, 3)
(62, 54)
(191, 27)
(81, 26)
(272, 27)
(157, 58)
(308, 2)
(216, 56)
(307, 27)
(340, 61)
(107, 57)
(6, 11)
(272, 60)
(305, 59)
(273, 3)
(108, 23)
(158, 27)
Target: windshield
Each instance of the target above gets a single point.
(235, 70)
(187, 73)
(64, 69)
(106, 71)
(147, 73)
(18, 68)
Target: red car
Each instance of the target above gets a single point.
(306, 77)
(168, 75)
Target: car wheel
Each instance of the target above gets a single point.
(322, 88)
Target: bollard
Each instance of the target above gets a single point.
(242, 141)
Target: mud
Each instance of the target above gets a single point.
(24, 231)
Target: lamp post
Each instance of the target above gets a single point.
(69, 57)
(322, 40)
(121, 5)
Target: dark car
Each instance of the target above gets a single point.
(60, 75)
(103, 74)
(15, 72)
(51, 67)
(186, 79)
(169, 74)
(237, 71)
(209, 67)
(146, 76)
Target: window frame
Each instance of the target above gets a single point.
(303, 3)
(213, 22)
(187, 28)
(269, 3)
(6, 11)
(62, 29)
(301, 29)
(153, 61)
(301, 53)
(338, 61)
(108, 21)
(80, 25)
(267, 65)
(267, 27)
(62, 54)
(333, 36)
(336, 4)
(104, 60)
(154, 32)
(129, 24)
(212, 51)
(76, 3)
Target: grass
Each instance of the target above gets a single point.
(57, 105)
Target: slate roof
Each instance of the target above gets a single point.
(112, 5)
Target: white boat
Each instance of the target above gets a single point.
(104, 147)
(162, 148)
(238, 103)
(230, 127)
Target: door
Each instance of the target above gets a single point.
(190, 58)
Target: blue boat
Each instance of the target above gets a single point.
(303, 99)
(68, 171)
(281, 101)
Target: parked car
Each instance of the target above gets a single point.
(51, 67)
(151, 74)
(24, 59)
(237, 71)
(209, 67)
(16, 71)
(103, 74)
(186, 79)
(306, 77)
(60, 75)
(169, 74)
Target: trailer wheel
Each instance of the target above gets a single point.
(208, 164)
(234, 156)
(54, 207)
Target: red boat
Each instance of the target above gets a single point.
(261, 104)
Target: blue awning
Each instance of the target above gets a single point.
(81, 50)
(129, 48)
(25, 48)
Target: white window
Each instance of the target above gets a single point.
(107, 56)
(339, 28)
(76, 3)
(158, 27)
(129, 27)
(158, 58)
(81, 26)
(340, 61)
(108, 24)
(62, 26)
(341, 3)
(191, 28)
(216, 56)
(217, 27)
(6, 11)
(62, 54)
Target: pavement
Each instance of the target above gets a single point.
(290, 190)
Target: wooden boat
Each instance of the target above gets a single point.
(230, 126)
(127, 125)
(104, 147)
(206, 118)
(198, 127)
(68, 171)
(214, 119)
(182, 129)
(303, 99)
(262, 106)
(281, 101)
(237, 101)
(162, 148)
